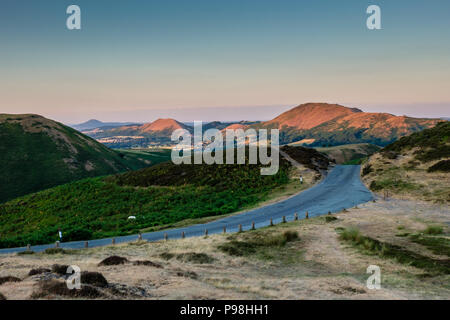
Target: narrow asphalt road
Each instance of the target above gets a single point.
(342, 188)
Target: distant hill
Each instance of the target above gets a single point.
(310, 115)
(162, 125)
(416, 166)
(332, 124)
(93, 124)
(37, 153)
(157, 133)
(315, 124)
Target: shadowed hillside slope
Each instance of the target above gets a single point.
(37, 153)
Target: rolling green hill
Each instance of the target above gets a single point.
(37, 153)
(159, 195)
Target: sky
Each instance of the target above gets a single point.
(228, 60)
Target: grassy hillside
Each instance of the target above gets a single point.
(416, 166)
(349, 153)
(139, 158)
(37, 153)
(159, 195)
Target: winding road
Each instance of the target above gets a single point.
(342, 188)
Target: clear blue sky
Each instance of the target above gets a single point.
(230, 60)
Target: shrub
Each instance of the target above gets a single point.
(147, 263)
(38, 271)
(401, 255)
(366, 170)
(54, 287)
(443, 166)
(113, 260)
(167, 255)
(26, 252)
(93, 278)
(290, 235)
(9, 279)
(352, 234)
(433, 230)
(257, 241)
(60, 269)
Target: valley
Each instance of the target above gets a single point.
(401, 226)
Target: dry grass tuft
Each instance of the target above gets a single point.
(60, 269)
(113, 261)
(34, 272)
(9, 279)
(59, 288)
(147, 263)
(93, 278)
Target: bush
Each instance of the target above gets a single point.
(443, 166)
(257, 241)
(113, 261)
(9, 279)
(22, 253)
(433, 230)
(54, 287)
(366, 170)
(60, 269)
(401, 255)
(93, 278)
(350, 234)
(38, 271)
(194, 257)
(147, 263)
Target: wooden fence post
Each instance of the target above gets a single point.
(182, 235)
(240, 228)
(113, 241)
(284, 219)
(295, 217)
(86, 244)
(253, 226)
(271, 222)
(306, 215)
